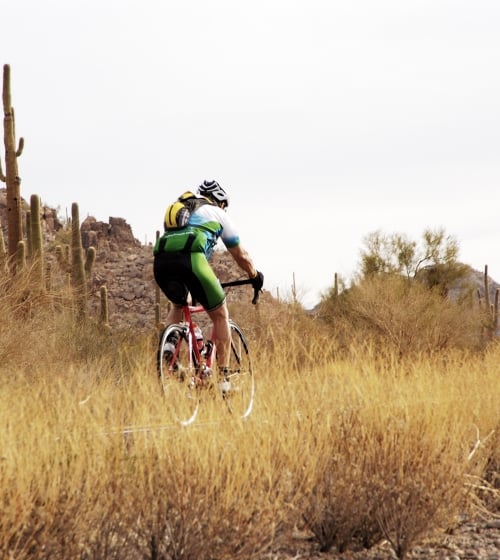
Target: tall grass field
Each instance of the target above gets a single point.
(349, 443)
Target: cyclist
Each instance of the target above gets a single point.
(181, 263)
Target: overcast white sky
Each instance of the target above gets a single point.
(325, 120)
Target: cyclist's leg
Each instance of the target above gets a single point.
(175, 314)
(222, 334)
(206, 288)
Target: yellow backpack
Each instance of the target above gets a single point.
(178, 213)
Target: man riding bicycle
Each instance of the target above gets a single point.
(181, 263)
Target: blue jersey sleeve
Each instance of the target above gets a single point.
(215, 224)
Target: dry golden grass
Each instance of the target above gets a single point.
(343, 446)
(404, 317)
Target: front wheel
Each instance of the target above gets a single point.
(177, 374)
(238, 386)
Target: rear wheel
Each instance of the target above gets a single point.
(177, 374)
(238, 386)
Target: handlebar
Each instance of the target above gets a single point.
(256, 293)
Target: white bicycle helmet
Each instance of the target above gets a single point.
(213, 191)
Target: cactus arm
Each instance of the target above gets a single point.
(20, 147)
(2, 176)
(6, 86)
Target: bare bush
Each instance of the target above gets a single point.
(404, 317)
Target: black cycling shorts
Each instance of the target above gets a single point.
(179, 273)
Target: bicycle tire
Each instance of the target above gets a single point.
(177, 374)
(238, 388)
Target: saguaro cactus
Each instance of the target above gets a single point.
(104, 314)
(11, 177)
(20, 256)
(3, 253)
(28, 232)
(491, 308)
(36, 244)
(78, 279)
(89, 262)
(486, 288)
(158, 322)
(61, 257)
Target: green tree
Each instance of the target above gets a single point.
(389, 254)
(433, 260)
(398, 299)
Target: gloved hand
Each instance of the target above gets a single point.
(258, 281)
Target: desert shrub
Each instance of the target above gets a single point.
(26, 313)
(399, 483)
(402, 316)
(39, 328)
(394, 453)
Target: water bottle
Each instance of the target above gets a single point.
(199, 337)
(171, 343)
(208, 349)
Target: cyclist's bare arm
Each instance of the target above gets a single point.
(243, 260)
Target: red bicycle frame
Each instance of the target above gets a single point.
(194, 350)
(188, 312)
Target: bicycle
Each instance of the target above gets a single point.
(185, 363)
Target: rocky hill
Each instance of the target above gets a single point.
(123, 265)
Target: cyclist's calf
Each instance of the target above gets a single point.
(222, 333)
